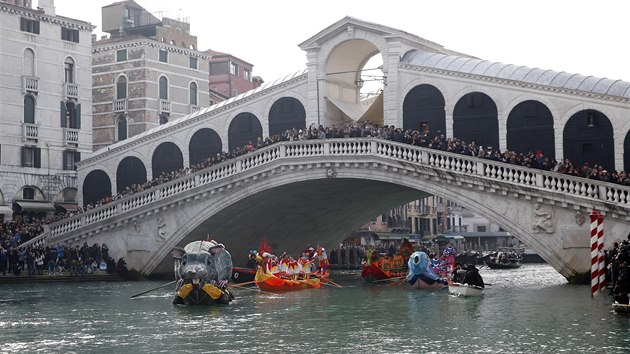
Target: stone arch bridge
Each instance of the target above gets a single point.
(293, 193)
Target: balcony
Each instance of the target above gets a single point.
(31, 131)
(120, 105)
(70, 90)
(30, 84)
(165, 106)
(194, 108)
(71, 136)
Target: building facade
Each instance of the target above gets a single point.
(146, 73)
(230, 76)
(45, 106)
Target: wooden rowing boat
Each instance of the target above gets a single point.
(271, 283)
(464, 289)
(372, 272)
(618, 307)
(423, 285)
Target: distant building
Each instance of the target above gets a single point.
(45, 106)
(229, 76)
(148, 72)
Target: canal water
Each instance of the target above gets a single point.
(527, 310)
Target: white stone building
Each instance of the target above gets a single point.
(45, 106)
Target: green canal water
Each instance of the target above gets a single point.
(528, 310)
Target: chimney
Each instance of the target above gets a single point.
(48, 6)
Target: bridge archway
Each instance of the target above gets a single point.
(130, 171)
(626, 152)
(166, 158)
(286, 113)
(588, 137)
(245, 127)
(530, 128)
(204, 143)
(96, 186)
(475, 118)
(423, 108)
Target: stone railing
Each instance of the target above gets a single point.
(71, 136)
(30, 131)
(31, 84)
(165, 106)
(455, 164)
(120, 105)
(70, 90)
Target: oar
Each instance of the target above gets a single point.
(256, 289)
(389, 279)
(331, 285)
(241, 284)
(335, 284)
(396, 283)
(150, 290)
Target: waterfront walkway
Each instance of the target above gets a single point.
(59, 277)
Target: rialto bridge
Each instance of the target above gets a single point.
(316, 191)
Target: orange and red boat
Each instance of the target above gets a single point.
(269, 282)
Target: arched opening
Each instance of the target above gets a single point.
(68, 70)
(121, 88)
(130, 171)
(121, 127)
(97, 186)
(193, 93)
(588, 137)
(626, 152)
(28, 62)
(475, 119)
(286, 113)
(163, 88)
(353, 84)
(166, 158)
(423, 110)
(29, 109)
(530, 128)
(245, 127)
(204, 143)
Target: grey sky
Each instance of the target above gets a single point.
(578, 36)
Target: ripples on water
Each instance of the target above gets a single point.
(527, 310)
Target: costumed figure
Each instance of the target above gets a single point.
(202, 270)
(420, 275)
(449, 254)
(472, 276)
(322, 261)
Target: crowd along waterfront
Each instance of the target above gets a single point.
(526, 310)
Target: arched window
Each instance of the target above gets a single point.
(73, 115)
(29, 109)
(193, 93)
(121, 87)
(121, 125)
(163, 88)
(28, 63)
(69, 70)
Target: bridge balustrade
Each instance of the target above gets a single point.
(440, 160)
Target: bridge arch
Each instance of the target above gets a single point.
(286, 113)
(130, 171)
(475, 118)
(530, 127)
(424, 104)
(204, 143)
(167, 157)
(96, 186)
(244, 127)
(588, 137)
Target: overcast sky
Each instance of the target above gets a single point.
(576, 36)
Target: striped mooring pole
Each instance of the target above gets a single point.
(596, 221)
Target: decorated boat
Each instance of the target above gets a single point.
(242, 275)
(464, 289)
(202, 271)
(379, 268)
(267, 281)
(421, 275)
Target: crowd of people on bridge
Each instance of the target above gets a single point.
(618, 270)
(419, 137)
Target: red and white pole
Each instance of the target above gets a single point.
(594, 254)
(600, 251)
